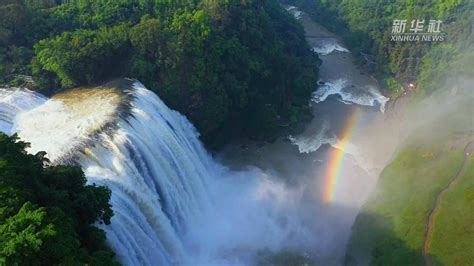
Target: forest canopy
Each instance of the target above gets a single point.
(234, 68)
(48, 213)
(366, 27)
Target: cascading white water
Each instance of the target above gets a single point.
(294, 11)
(157, 171)
(367, 96)
(14, 101)
(173, 204)
(327, 46)
(313, 143)
(153, 163)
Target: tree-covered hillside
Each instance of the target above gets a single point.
(366, 26)
(47, 213)
(235, 68)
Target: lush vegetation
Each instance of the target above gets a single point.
(235, 68)
(47, 213)
(366, 27)
(390, 229)
(453, 231)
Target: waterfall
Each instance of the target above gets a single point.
(173, 204)
(14, 101)
(157, 170)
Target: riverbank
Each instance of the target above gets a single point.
(418, 213)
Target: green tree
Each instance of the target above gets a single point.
(83, 56)
(234, 68)
(47, 213)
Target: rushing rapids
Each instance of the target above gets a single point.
(173, 204)
(14, 101)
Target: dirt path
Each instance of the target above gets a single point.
(434, 210)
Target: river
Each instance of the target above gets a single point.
(175, 204)
(336, 160)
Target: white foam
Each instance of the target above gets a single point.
(294, 11)
(65, 122)
(14, 101)
(313, 143)
(325, 47)
(298, 14)
(367, 96)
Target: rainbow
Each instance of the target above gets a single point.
(336, 157)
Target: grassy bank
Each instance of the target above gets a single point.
(453, 232)
(391, 226)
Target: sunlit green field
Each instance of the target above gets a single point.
(453, 235)
(390, 229)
